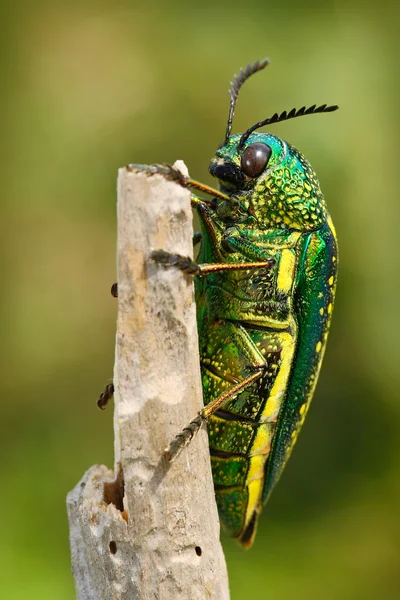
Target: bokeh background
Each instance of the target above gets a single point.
(87, 87)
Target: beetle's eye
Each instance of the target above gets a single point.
(255, 158)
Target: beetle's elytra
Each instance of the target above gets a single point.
(265, 287)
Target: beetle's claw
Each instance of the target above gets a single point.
(183, 438)
(105, 396)
(183, 263)
(168, 171)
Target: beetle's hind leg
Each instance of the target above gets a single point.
(186, 435)
(252, 369)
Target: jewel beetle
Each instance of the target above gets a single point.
(265, 282)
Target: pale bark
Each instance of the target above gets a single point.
(153, 532)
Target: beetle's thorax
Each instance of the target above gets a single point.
(285, 195)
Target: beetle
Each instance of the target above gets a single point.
(264, 286)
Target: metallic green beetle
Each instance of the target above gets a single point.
(265, 286)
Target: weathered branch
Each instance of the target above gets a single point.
(153, 531)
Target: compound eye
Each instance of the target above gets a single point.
(255, 158)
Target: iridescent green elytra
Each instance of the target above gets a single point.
(276, 318)
(265, 287)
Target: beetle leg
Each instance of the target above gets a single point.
(175, 174)
(196, 185)
(168, 171)
(187, 265)
(105, 396)
(211, 408)
(209, 268)
(183, 263)
(197, 201)
(197, 237)
(185, 436)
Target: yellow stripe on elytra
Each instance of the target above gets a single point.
(255, 489)
(256, 469)
(285, 278)
(261, 445)
(277, 393)
(262, 442)
(331, 227)
(255, 475)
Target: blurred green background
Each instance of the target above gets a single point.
(86, 88)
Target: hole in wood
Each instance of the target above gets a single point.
(114, 493)
(113, 547)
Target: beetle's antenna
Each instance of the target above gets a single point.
(236, 84)
(284, 116)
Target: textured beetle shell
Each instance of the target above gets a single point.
(277, 317)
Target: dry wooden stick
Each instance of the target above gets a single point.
(152, 532)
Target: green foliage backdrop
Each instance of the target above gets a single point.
(86, 88)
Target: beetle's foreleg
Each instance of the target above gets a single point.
(167, 171)
(171, 172)
(186, 435)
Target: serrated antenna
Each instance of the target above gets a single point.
(285, 116)
(236, 84)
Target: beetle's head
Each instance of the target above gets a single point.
(269, 182)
